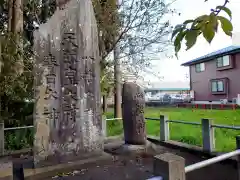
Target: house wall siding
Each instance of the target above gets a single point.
(200, 82)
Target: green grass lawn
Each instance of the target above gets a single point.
(225, 139)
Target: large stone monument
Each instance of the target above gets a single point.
(133, 114)
(67, 90)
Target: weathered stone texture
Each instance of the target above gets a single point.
(67, 90)
(133, 114)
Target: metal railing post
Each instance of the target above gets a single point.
(17, 170)
(169, 166)
(164, 128)
(208, 135)
(104, 126)
(238, 157)
(2, 139)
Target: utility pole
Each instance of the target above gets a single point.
(117, 84)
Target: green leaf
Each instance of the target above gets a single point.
(191, 38)
(202, 18)
(188, 21)
(176, 30)
(178, 40)
(200, 22)
(208, 32)
(226, 25)
(214, 21)
(227, 10)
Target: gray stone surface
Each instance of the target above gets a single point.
(67, 90)
(169, 166)
(133, 114)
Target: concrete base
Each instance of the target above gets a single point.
(129, 147)
(55, 160)
(50, 171)
(132, 149)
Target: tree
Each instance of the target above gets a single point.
(108, 24)
(107, 84)
(136, 30)
(15, 27)
(206, 25)
(141, 31)
(132, 21)
(15, 86)
(16, 59)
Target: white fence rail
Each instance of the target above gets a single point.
(211, 161)
(3, 129)
(2, 135)
(171, 167)
(206, 125)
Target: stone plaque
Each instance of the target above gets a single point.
(67, 90)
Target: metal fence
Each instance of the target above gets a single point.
(207, 127)
(174, 165)
(2, 135)
(170, 166)
(3, 130)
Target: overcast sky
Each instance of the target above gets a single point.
(189, 9)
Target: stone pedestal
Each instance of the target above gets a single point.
(169, 166)
(133, 114)
(67, 90)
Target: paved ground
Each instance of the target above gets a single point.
(5, 163)
(122, 167)
(140, 168)
(118, 169)
(133, 170)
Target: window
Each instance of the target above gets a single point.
(200, 67)
(223, 61)
(217, 86)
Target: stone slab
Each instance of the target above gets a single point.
(50, 171)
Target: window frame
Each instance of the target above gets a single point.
(224, 85)
(226, 67)
(222, 61)
(217, 86)
(199, 70)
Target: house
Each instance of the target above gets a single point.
(215, 77)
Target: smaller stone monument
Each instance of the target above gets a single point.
(133, 114)
(133, 104)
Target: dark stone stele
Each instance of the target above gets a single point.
(133, 114)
